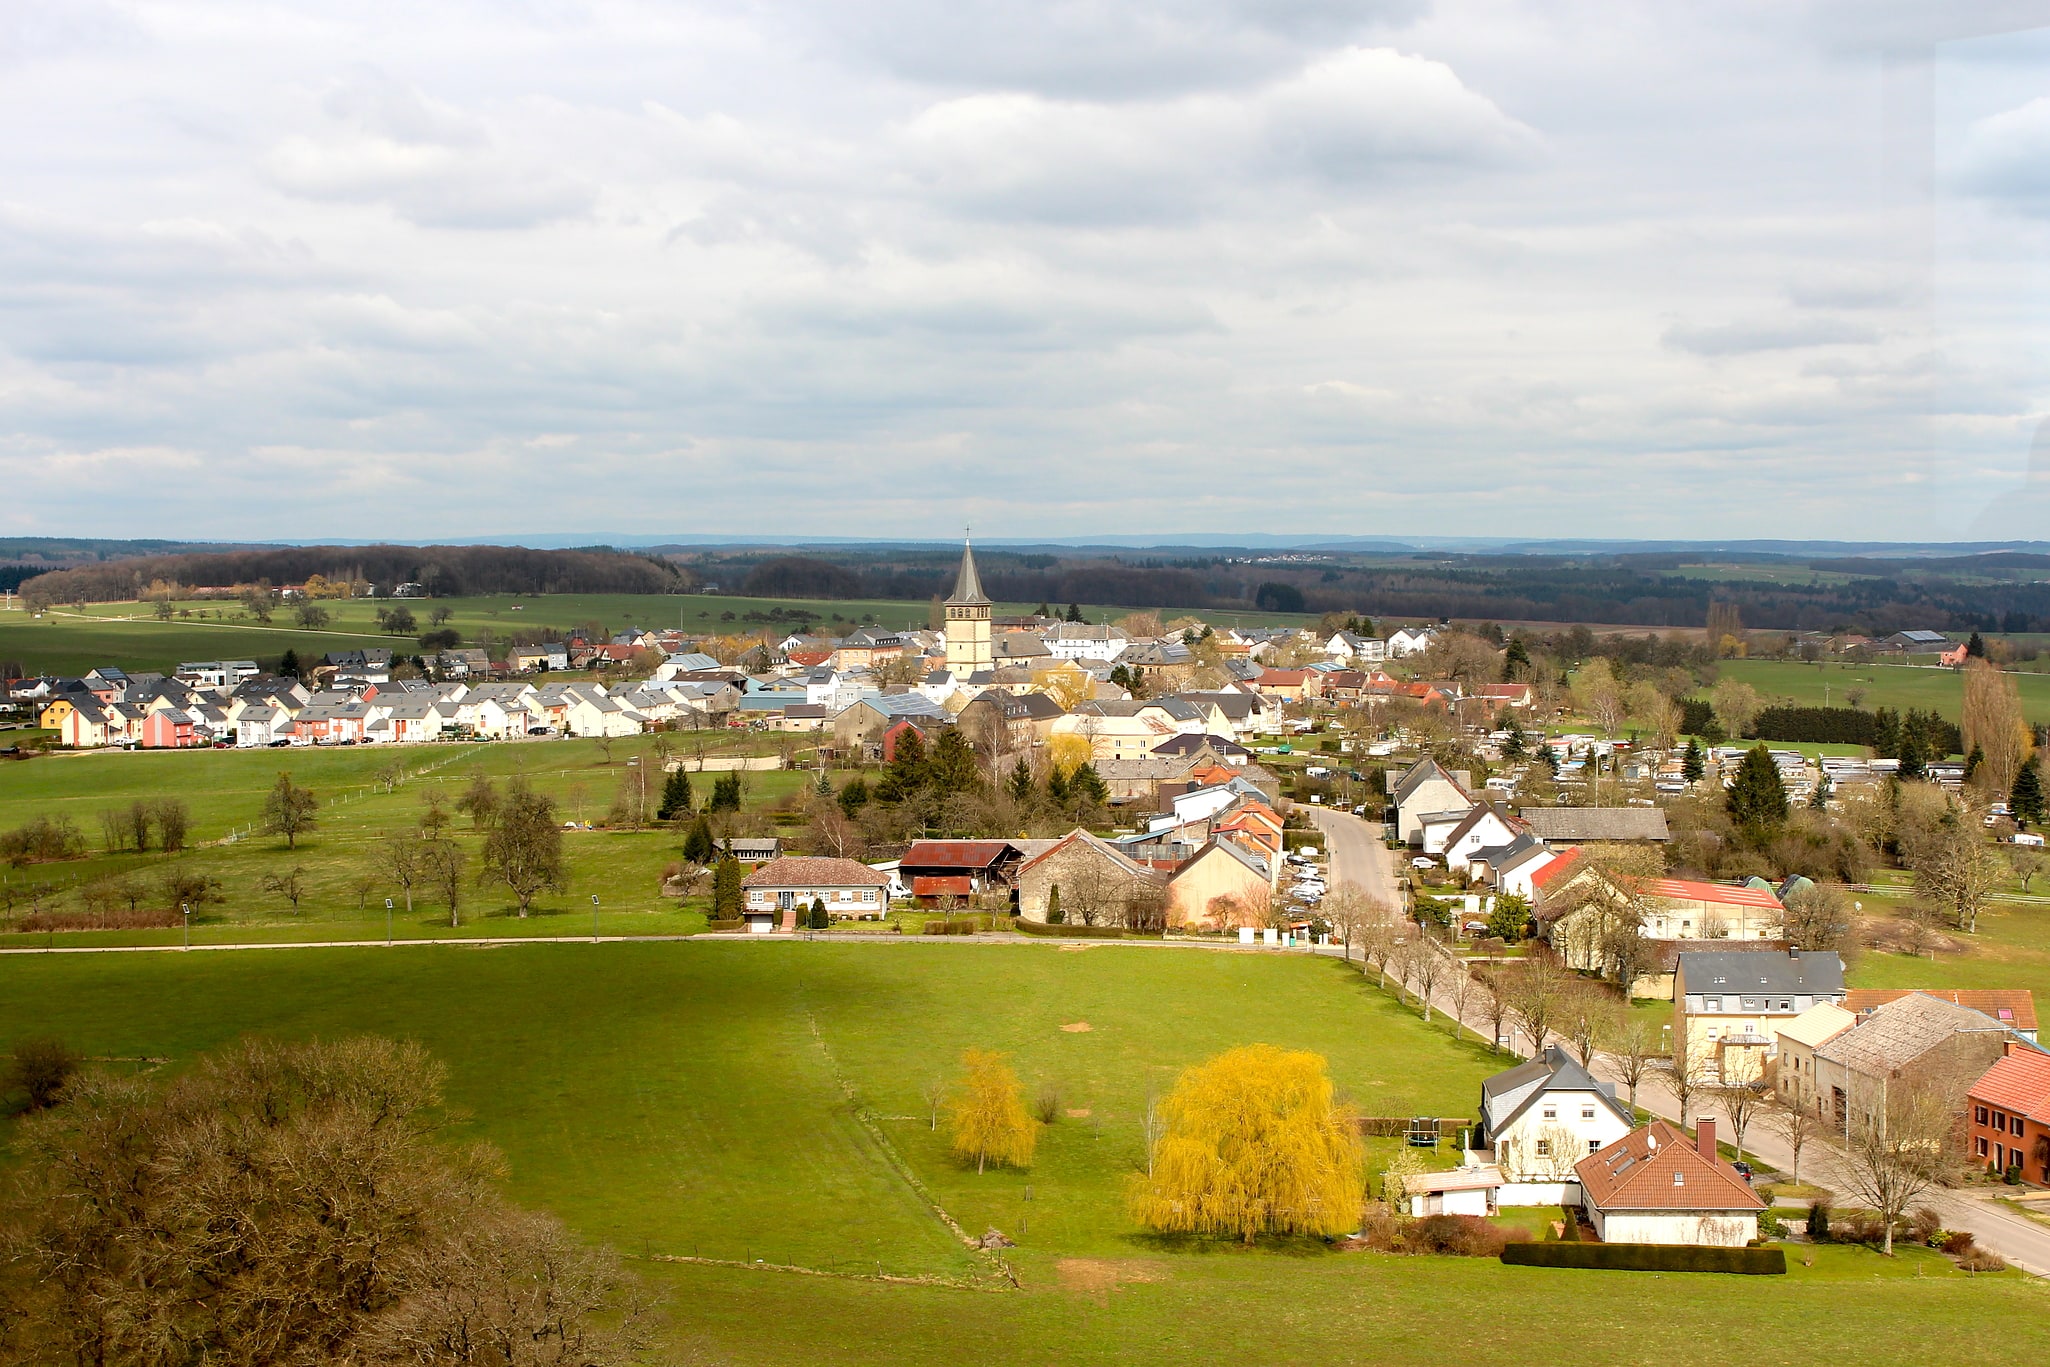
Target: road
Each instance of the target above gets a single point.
(1357, 855)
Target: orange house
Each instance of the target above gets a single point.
(2009, 1113)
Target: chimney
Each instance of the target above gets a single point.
(1704, 1137)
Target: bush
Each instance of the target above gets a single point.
(1924, 1225)
(1769, 1224)
(737, 923)
(1047, 1107)
(102, 918)
(1862, 1228)
(2013, 1175)
(1754, 1262)
(1818, 1222)
(1982, 1260)
(40, 1070)
(1569, 1227)
(1025, 927)
(1956, 1242)
(42, 841)
(1456, 1236)
(954, 925)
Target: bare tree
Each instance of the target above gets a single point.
(1464, 990)
(524, 848)
(1741, 1103)
(1899, 1150)
(1427, 966)
(1956, 869)
(1795, 1124)
(289, 811)
(1494, 1004)
(934, 1094)
(1632, 1047)
(1587, 1017)
(173, 820)
(397, 857)
(1347, 910)
(1688, 1073)
(1819, 916)
(442, 865)
(1535, 989)
(290, 885)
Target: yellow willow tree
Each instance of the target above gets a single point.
(986, 1114)
(1993, 724)
(1254, 1144)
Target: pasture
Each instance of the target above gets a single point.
(1880, 685)
(748, 1101)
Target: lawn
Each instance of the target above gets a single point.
(1896, 686)
(682, 1099)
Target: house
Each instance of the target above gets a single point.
(861, 725)
(1563, 827)
(259, 725)
(939, 870)
(1487, 825)
(1793, 1074)
(775, 892)
(1099, 884)
(1914, 1041)
(1653, 1187)
(1082, 641)
(751, 849)
(1223, 886)
(1348, 645)
(1410, 641)
(1117, 729)
(168, 728)
(1514, 867)
(1728, 1004)
(1426, 789)
(2013, 1007)
(1577, 907)
(1540, 1118)
(2009, 1115)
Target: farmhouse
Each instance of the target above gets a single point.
(1917, 1040)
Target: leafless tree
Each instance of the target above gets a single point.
(1899, 1150)
(1741, 1103)
(1632, 1047)
(1795, 1124)
(1464, 990)
(524, 848)
(442, 865)
(1427, 966)
(1587, 1015)
(1535, 989)
(398, 857)
(290, 885)
(1494, 1005)
(1688, 1073)
(173, 820)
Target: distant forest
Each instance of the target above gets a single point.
(446, 571)
(1983, 593)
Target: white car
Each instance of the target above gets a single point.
(1423, 861)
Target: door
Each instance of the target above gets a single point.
(785, 900)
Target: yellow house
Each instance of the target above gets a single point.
(54, 713)
(1794, 1070)
(1729, 1005)
(1223, 886)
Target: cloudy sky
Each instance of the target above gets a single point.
(1073, 267)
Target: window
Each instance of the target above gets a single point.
(1679, 1179)
(1551, 1112)
(1786, 1006)
(1593, 1144)
(1751, 1004)
(1544, 1148)
(2000, 1120)
(1711, 1003)
(1980, 1146)
(2014, 1124)
(868, 894)
(1587, 1112)
(1979, 1115)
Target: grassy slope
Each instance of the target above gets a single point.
(671, 1098)
(1897, 686)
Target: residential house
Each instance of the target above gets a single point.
(2009, 1116)
(861, 725)
(1116, 730)
(1514, 867)
(1913, 1041)
(774, 893)
(1083, 641)
(259, 724)
(1410, 641)
(1564, 827)
(1223, 886)
(1099, 884)
(1002, 724)
(1653, 1187)
(1578, 907)
(1486, 825)
(1427, 789)
(1540, 1118)
(1793, 1074)
(748, 849)
(1728, 1005)
(1349, 645)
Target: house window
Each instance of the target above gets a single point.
(1551, 1112)
(2014, 1124)
(1786, 1006)
(1587, 1112)
(1593, 1144)
(1712, 1003)
(1544, 1148)
(1751, 1004)
(1979, 1115)
(2000, 1120)
(868, 894)
(1679, 1179)
(1980, 1145)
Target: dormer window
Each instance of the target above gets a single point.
(1679, 1179)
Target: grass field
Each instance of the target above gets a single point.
(694, 1098)
(73, 640)
(1897, 686)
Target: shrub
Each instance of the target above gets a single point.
(2013, 1175)
(1982, 1260)
(1456, 1236)
(1379, 1229)
(1924, 1225)
(1047, 1105)
(41, 1068)
(953, 925)
(1756, 1262)
(103, 918)
(41, 841)
(1769, 1224)
(1956, 1242)
(737, 923)
(1072, 932)
(1818, 1222)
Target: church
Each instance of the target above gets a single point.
(968, 627)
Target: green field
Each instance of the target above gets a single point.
(1896, 686)
(693, 1100)
(73, 640)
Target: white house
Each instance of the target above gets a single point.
(1427, 789)
(1350, 646)
(1540, 1118)
(1653, 1187)
(1081, 641)
(1410, 641)
(778, 890)
(1487, 826)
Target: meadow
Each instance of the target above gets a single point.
(750, 1101)
(1882, 685)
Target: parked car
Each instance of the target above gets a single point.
(1423, 861)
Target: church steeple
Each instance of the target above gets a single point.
(967, 584)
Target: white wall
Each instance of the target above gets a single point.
(1712, 1228)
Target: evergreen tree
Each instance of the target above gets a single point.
(1074, 613)
(1886, 733)
(1757, 800)
(1693, 764)
(697, 841)
(1056, 785)
(1976, 647)
(1819, 799)
(1021, 781)
(1044, 610)
(1516, 656)
(1512, 744)
(907, 771)
(1973, 761)
(1054, 914)
(854, 797)
(823, 787)
(818, 920)
(726, 792)
(288, 667)
(2025, 799)
(1085, 782)
(1914, 761)
(676, 797)
(726, 895)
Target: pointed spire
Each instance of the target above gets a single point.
(967, 584)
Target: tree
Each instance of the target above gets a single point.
(726, 792)
(524, 848)
(2027, 863)
(2025, 798)
(1254, 1143)
(633, 801)
(1992, 725)
(818, 920)
(1687, 1073)
(1914, 756)
(1795, 1124)
(1740, 1103)
(173, 820)
(40, 1068)
(854, 796)
(434, 812)
(1588, 1016)
(1694, 763)
(1737, 705)
(442, 865)
(697, 841)
(288, 664)
(1426, 966)
(1899, 1150)
(1597, 694)
(986, 1116)
(291, 1203)
(290, 885)
(1757, 800)
(1818, 917)
(1955, 869)
(1020, 785)
(479, 802)
(1510, 920)
(313, 617)
(1632, 1047)
(1054, 915)
(726, 892)
(289, 810)
(398, 860)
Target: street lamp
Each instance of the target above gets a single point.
(185, 910)
(594, 918)
(387, 923)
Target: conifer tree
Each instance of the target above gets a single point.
(676, 797)
(1693, 764)
(1757, 800)
(854, 797)
(818, 919)
(726, 895)
(1054, 914)
(1914, 760)
(1021, 781)
(697, 842)
(2025, 800)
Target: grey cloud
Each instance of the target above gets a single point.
(2006, 159)
(1792, 334)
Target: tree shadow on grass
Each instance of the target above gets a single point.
(1211, 1245)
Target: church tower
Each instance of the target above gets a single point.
(968, 649)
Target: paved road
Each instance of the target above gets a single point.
(1357, 854)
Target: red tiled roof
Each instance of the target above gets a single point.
(1727, 895)
(955, 854)
(1555, 870)
(2014, 1007)
(1658, 1168)
(2020, 1081)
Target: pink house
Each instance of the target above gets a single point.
(169, 729)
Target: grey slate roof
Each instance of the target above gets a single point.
(1509, 1094)
(968, 584)
(1814, 973)
(1597, 823)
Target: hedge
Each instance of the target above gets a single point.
(1752, 1262)
(1075, 932)
(1817, 725)
(737, 923)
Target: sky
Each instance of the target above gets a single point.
(1068, 268)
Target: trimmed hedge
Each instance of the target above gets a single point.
(1752, 1262)
(737, 923)
(1025, 927)
(1817, 725)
